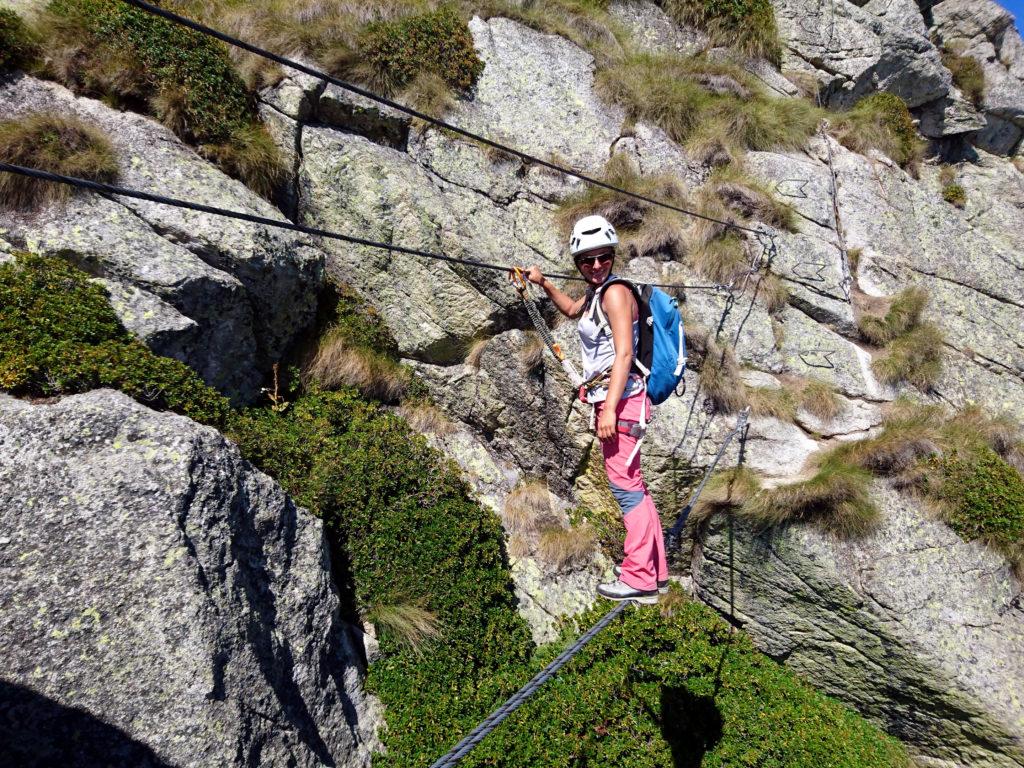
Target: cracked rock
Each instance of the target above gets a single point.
(165, 599)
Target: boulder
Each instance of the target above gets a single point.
(250, 290)
(164, 600)
(537, 93)
(855, 52)
(920, 631)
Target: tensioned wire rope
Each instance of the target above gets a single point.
(110, 189)
(320, 75)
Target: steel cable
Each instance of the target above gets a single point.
(292, 64)
(110, 189)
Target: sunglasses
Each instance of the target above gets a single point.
(597, 258)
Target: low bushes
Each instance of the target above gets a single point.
(674, 687)
(955, 194)
(58, 335)
(391, 54)
(134, 59)
(968, 75)
(17, 45)
(49, 142)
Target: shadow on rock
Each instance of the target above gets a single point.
(38, 732)
(692, 725)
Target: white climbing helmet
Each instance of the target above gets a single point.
(592, 232)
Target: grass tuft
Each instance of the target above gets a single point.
(726, 490)
(955, 194)
(820, 400)
(968, 75)
(52, 143)
(426, 418)
(475, 353)
(916, 357)
(904, 315)
(526, 505)
(881, 121)
(776, 403)
(531, 354)
(339, 363)
(249, 154)
(408, 624)
(719, 375)
(836, 498)
(687, 97)
(564, 548)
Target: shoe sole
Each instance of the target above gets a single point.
(662, 585)
(642, 599)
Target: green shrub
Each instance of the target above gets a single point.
(400, 518)
(968, 76)
(881, 121)
(984, 498)
(52, 143)
(134, 59)
(391, 54)
(17, 46)
(747, 25)
(58, 335)
(673, 687)
(955, 194)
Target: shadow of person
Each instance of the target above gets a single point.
(38, 732)
(691, 724)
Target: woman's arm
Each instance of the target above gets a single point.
(567, 305)
(620, 307)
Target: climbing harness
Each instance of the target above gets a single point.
(674, 532)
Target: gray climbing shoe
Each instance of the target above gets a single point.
(617, 590)
(662, 585)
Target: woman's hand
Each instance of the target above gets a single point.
(606, 424)
(534, 275)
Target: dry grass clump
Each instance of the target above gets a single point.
(340, 363)
(475, 353)
(531, 354)
(776, 403)
(410, 624)
(881, 121)
(567, 547)
(682, 95)
(49, 142)
(725, 490)
(518, 546)
(746, 25)
(644, 229)
(836, 498)
(719, 373)
(968, 75)
(819, 399)
(904, 314)
(249, 154)
(425, 417)
(910, 433)
(914, 349)
(915, 357)
(748, 198)
(526, 504)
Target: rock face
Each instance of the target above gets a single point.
(915, 628)
(231, 296)
(165, 603)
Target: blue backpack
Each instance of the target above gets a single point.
(661, 350)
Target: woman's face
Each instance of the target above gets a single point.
(596, 265)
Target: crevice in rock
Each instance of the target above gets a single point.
(969, 287)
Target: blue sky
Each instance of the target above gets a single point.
(1016, 7)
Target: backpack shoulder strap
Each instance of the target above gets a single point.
(597, 313)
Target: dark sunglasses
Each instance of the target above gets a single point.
(597, 258)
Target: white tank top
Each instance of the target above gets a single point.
(599, 351)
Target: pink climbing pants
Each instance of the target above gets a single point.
(645, 563)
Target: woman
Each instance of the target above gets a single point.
(618, 396)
